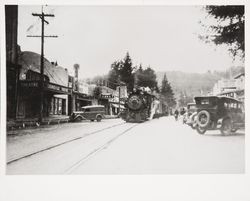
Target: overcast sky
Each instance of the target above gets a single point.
(164, 37)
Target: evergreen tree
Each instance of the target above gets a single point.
(126, 72)
(167, 94)
(229, 29)
(114, 74)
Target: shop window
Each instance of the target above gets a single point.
(59, 106)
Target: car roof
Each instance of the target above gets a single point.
(218, 97)
(191, 104)
(92, 106)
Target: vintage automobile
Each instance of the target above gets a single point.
(219, 112)
(91, 112)
(188, 116)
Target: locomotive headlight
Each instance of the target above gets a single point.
(134, 102)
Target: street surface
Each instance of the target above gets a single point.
(160, 146)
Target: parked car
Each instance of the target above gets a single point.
(92, 112)
(219, 112)
(189, 117)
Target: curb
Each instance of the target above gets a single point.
(34, 124)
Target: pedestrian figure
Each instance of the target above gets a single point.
(182, 111)
(176, 114)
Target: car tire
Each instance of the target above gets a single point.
(226, 127)
(98, 118)
(193, 125)
(201, 130)
(233, 130)
(200, 118)
(78, 119)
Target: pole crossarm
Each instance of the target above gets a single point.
(37, 36)
(45, 15)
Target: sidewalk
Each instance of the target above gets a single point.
(27, 126)
(20, 124)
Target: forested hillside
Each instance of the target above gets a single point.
(194, 84)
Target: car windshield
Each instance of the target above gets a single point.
(206, 101)
(92, 109)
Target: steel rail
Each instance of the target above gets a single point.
(96, 150)
(62, 143)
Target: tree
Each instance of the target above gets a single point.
(122, 71)
(97, 92)
(167, 94)
(114, 74)
(230, 28)
(126, 72)
(146, 78)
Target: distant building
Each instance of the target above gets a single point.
(79, 96)
(83, 95)
(110, 99)
(234, 88)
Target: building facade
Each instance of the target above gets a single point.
(12, 67)
(56, 87)
(234, 88)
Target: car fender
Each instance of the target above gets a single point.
(227, 117)
(80, 117)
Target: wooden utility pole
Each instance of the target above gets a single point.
(41, 84)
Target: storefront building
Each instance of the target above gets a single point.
(55, 88)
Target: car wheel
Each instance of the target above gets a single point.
(226, 127)
(78, 119)
(201, 130)
(203, 118)
(98, 118)
(193, 125)
(233, 130)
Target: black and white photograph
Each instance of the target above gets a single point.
(125, 90)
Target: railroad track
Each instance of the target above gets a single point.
(61, 143)
(92, 153)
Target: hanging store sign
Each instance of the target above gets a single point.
(107, 96)
(56, 87)
(29, 83)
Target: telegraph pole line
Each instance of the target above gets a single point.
(42, 17)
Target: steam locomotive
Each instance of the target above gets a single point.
(140, 106)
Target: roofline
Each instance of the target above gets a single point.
(239, 75)
(219, 97)
(191, 103)
(232, 91)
